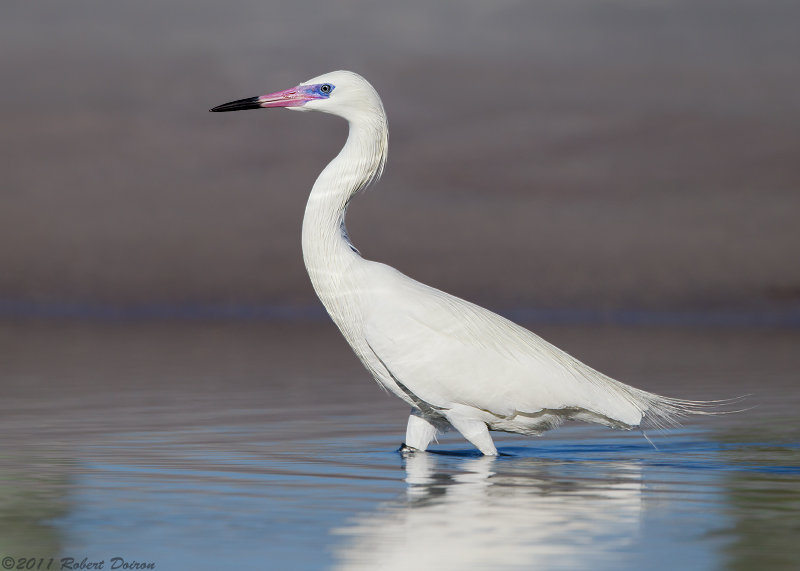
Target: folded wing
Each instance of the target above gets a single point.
(449, 352)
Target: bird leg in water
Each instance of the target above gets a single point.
(420, 431)
(476, 432)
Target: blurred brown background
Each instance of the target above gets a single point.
(554, 154)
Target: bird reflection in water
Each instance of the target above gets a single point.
(497, 513)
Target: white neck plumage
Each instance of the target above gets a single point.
(328, 254)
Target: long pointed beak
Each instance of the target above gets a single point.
(294, 97)
(238, 105)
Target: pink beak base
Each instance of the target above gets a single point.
(295, 97)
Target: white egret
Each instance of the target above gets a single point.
(458, 365)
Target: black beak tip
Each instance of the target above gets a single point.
(238, 105)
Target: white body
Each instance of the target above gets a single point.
(456, 363)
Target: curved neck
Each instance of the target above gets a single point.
(327, 251)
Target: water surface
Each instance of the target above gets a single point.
(265, 446)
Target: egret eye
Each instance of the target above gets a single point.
(326, 88)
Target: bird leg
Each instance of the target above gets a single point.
(420, 431)
(476, 432)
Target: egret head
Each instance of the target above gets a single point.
(341, 93)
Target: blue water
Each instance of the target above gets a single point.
(588, 498)
(266, 446)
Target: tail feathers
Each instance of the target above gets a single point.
(644, 409)
(664, 412)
